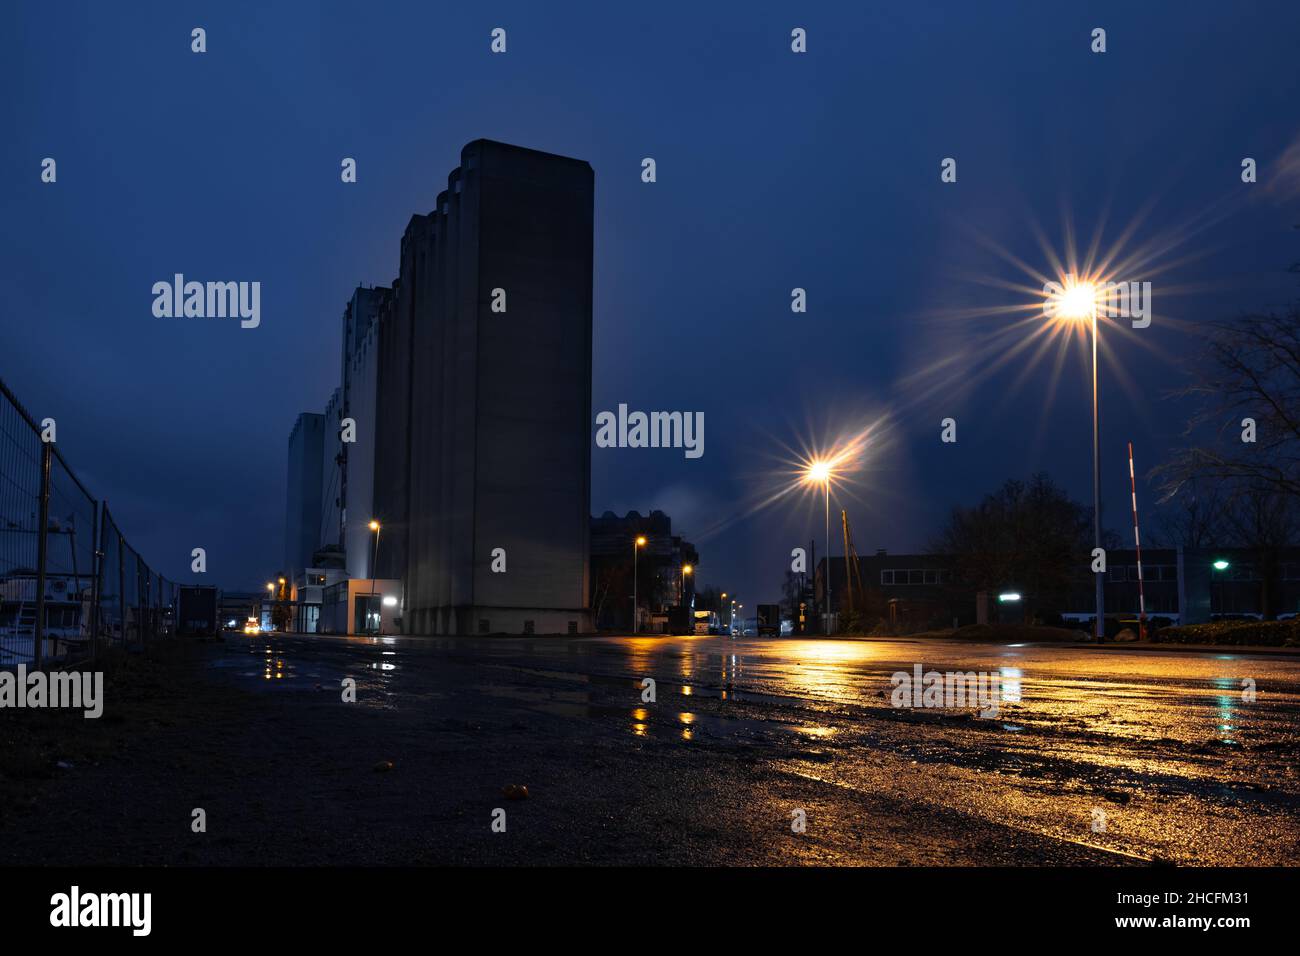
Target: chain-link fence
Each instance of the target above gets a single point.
(69, 582)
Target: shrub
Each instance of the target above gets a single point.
(1261, 633)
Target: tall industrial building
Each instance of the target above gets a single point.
(469, 381)
(303, 499)
(501, 278)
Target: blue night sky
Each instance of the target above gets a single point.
(775, 170)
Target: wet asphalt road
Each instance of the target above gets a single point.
(1094, 755)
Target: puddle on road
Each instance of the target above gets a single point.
(270, 664)
(648, 721)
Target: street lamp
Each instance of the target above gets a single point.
(1077, 301)
(819, 473)
(374, 526)
(686, 569)
(1220, 564)
(637, 545)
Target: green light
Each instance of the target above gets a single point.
(1220, 565)
(1009, 597)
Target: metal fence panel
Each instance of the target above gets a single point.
(74, 570)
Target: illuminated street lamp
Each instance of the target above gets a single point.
(686, 569)
(819, 473)
(374, 526)
(1220, 564)
(637, 545)
(1077, 302)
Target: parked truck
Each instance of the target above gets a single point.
(769, 620)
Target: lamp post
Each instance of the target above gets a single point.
(819, 472)
(1220, 564)
(374, 526)
(1078, 301)
(637, 545)
(686, 569)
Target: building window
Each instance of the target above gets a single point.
(886, 577)
(573, 627)
(528, 627)
(931, 577)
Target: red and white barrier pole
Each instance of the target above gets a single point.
(1137, 540)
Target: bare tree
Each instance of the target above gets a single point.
(1193, 516)
(1028, 534)
(1249, 388)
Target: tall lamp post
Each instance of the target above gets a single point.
(1078, 301)
(637, 545)
(819, 473)
(686, 569)
(374, 526)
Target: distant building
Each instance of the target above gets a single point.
(919, 591)
(360, 405)
(303, 504)
(661, 584)
(331, 519)
(912, 591)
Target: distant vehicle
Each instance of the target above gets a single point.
(769, 620)
(252, 627)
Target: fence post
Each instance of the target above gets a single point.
(38, 631)
(121, 583)
(97, 572)
(141, 586)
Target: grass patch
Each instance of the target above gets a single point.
(140, 695)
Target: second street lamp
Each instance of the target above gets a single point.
(819, 472)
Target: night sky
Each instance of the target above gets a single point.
(775, 170)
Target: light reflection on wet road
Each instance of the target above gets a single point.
(1147, 754)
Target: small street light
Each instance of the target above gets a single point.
(374, 526)
(637, 545)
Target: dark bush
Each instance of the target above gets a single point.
(1260, 633)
